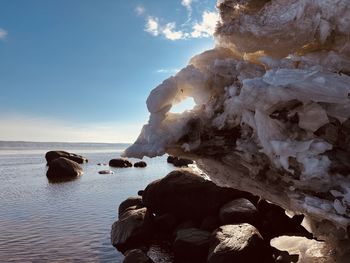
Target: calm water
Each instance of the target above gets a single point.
(66, 222)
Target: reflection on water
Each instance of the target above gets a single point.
(65, 222)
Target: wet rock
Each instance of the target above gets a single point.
(53, 155)
(170, 159)
(63, 169)
(120, 163)
(101, 164)
(130, 202)
(187, 196)
(106, 172)
(191, 245)
(140, 164)
(210, 223)
(239, 211)
(132, 230)
(237, 243)
(140, 192)
(136, 256)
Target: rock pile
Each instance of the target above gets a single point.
(202, 221)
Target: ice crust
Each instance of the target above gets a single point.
(272, 108)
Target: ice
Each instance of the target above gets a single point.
(272, 108)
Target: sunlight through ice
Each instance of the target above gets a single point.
(185, 105)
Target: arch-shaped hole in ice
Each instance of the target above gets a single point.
(185, 105)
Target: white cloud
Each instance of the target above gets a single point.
(3, 33)
(140, 10)
(152, 26)
(206, 27)
(170, 32)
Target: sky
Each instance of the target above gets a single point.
(81, 71)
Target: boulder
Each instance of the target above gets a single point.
(239, 211)
(187, 196)
(210, 223)
(106, 172)
(191, 245)
(179, 162)
(275, 222)
(132, 230)
(237, 243)
(140, 192)
(136, 256)
(130, 202)
(63, 169)
(140, 164)
(165, 223)
(53, 155)
(120, 163)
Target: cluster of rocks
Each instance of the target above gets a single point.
(179, 162)
(63, 165)
(125, 163)
(202, 222)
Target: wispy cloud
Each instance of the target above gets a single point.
(189, 29)
(167, 70)
(3, 34)
(140, 10)
(152, 26)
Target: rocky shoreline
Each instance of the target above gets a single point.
(202, 222)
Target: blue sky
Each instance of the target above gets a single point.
(81, 70)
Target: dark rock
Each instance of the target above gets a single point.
(185, 225)
(171, 159)
(191, 245)
(63, 169)
(239, 211)
(275, 222)
(285, 257)
(136, 256)
(106, 172)
(210, 223)
(237, 243)
(130, 202)
(120, 163)
(52, 155)
(140, 192)
(165, 223)
(101, 164)
(187, 196)
(140, 164)
(179, 162)
(132, 230)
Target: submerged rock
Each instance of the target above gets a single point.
(52, 155)
(237, 243)
(106, 172)
(120, 163)
(63, 169)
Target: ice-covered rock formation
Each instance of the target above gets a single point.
(272, 108)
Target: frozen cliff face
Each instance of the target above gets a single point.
(272, 112)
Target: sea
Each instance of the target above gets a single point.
(69, 221)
